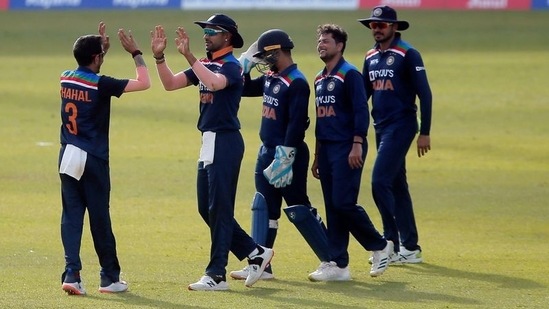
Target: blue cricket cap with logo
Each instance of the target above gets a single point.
(384, 14)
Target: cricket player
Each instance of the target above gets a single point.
(283, 158)
(394, 76)
(84, 156)
(341, 147)
(219, 78)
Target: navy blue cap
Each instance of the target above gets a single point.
(227, 23)
(385, 14)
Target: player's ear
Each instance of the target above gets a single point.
(339, 46)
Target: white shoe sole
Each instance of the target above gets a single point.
(116, 287)
(241, 276)
(72, 290)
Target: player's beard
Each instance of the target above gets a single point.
(211, 46)
(383, 38)
(327, 57)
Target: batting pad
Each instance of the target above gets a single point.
(311, 230)
(260, 219)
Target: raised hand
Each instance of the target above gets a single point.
(247, 59)
(104, 37)
(158, 41)
(127, 40)
(182, 41)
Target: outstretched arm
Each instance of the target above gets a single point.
(169, 80)
(142, 80)
(214, 81)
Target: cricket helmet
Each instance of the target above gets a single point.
(271, 40)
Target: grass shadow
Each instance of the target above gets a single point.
(503, 281)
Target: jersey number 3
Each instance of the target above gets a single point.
(71, 109)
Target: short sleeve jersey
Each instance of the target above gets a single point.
(341, 105)
(85, 109)
(219, 109)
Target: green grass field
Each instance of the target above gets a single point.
(481, 196)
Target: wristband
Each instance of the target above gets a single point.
(159, 61)
(158, 58)
(136, 52)
(357, 143)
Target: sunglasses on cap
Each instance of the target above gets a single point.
(212, 32)
(379, 25)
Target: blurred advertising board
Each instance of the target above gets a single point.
(451, 4)
(540, 4)
(270, 4)
(92, 4)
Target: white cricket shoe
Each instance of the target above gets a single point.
(257, 264)
(115, 287)
(380, 259)
(243, 274)
(74, 288)
(206, 283)
(406, 256)
(329, 271)
(393, 259)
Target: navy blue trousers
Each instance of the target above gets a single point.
(92, 193)
(390, 187)
(216, 192)
(340, 188)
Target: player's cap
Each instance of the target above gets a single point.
(385, 14)
(273, 39)
(227, 23)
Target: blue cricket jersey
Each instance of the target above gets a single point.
(219, 109)
(341, 104)
(285, 106)
(393, 78)
(85, 109)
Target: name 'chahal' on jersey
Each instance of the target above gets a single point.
(85, 109)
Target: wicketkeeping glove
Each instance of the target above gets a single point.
(247, 60)
(279, 173)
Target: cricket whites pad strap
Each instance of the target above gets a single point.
(311, 229)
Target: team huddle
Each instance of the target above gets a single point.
(392, 76)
